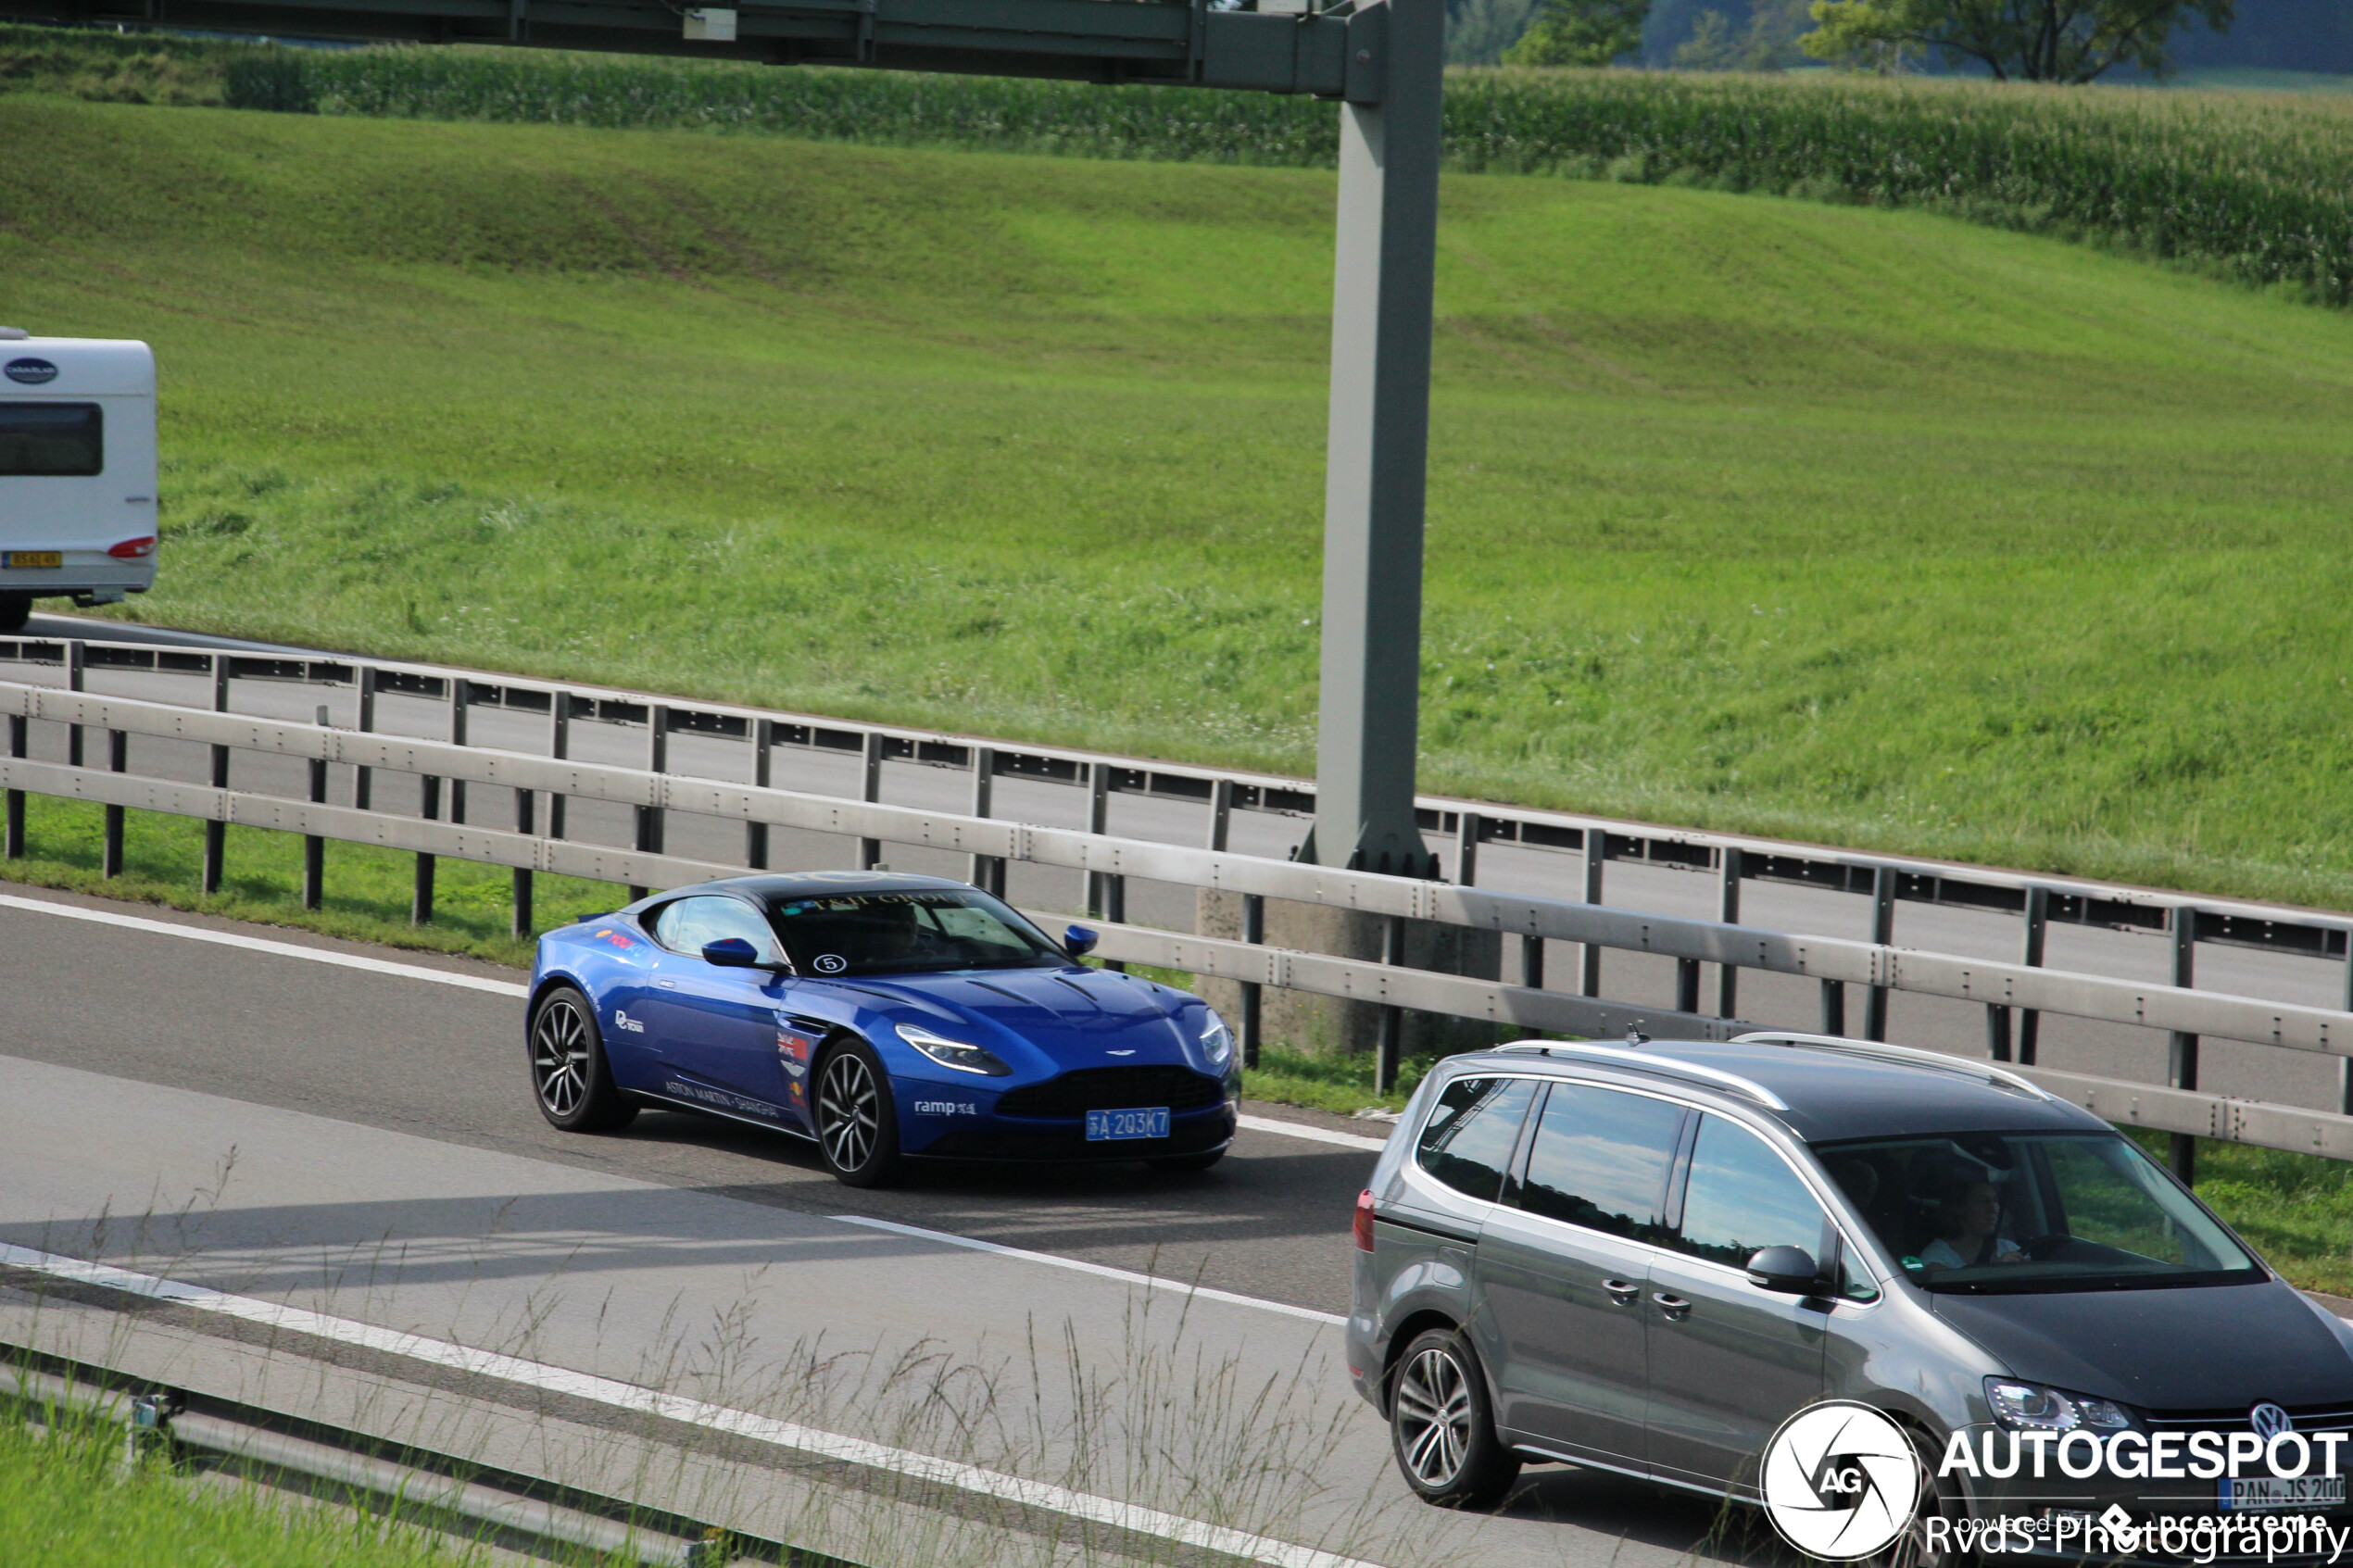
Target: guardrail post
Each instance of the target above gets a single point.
(1833, 1007)
(118, 761)
(1728, 909)
(870, 790)
(650, 818)
(1098, 822)
(1596, 847)
(526, 801)
(1116, 912)
(460, 710)
(76, 656)
(2180, 1063)
(19, 740)
(1255, 932)
(1221, 814)
(314, 848)
(363, 778)
(421, 900)
(987, 871)
(1997, 1032)
(2038, 922)
(559, 748)
(1466, 838)
(1883, 934)
(2345, 1063)
(216, 831)
(1392, 1019)
(763, 759)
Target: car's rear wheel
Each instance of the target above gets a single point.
(1439, 1425)
(570, 1077)
(857, 1125)
(15, 610)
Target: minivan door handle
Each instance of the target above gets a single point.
(1676, 1308)
(1621, 1292)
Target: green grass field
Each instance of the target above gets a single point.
(1867, 527)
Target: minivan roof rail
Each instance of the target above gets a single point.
(1649, 1061)
(1933, 1060)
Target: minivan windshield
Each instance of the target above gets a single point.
(2033, 1211)
(845, 933)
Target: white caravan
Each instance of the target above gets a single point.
(76, 470)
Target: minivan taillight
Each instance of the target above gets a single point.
(1364, 1220)
(134, 549)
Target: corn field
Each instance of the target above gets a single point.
(2251, 186)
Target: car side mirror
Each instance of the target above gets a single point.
(1080, 941)
(1790, 1271)
(731, 952)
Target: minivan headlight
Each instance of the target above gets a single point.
(1217, 1040)
(953, 1053)
(2035, 1407)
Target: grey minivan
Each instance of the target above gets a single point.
(1645, 1258)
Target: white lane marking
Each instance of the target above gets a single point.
(1151, 1282)
(678, 1407)
(263, 945)
(1314, 1134)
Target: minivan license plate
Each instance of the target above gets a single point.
(1152, 1123)
(2254, 1494)
(33, 558)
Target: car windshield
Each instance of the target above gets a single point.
(845, 934)
(2033, 1211)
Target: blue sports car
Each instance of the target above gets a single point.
(885, 1017)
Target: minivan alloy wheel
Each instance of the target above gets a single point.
(1434, 1416)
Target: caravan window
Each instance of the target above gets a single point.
(51, 439)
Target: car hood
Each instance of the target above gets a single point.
(1075, 1017)
(2217, 1348)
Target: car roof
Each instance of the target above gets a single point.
(813, 884)
(1823, 1089)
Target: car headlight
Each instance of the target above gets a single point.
(2033, 1407)
(953, 1053)
(1217, 1040)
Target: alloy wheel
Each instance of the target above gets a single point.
(560, 1056)
(1433, 1417)
(848, 1110)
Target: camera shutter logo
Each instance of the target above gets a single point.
(1840, 1481)
(31, 372)
(2268, 1420)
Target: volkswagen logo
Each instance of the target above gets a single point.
(1840, 1481)
(2268, 1420)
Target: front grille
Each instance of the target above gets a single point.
(2307, 1418)
(1114, 1088)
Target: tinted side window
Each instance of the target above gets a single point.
(687, 925)
(1471, 1131)
(1600, 1160)
(51, 438)
(1743, 1196)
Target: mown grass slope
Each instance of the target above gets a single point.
(1866, 526)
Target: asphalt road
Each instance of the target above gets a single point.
(364, 1143)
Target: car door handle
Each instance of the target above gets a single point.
(1676, 1308)
(1621, 1292)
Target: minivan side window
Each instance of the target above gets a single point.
(1600, 1160)
(1742, 1197)
(1471, 1133)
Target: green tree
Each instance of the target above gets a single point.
(1582, 33)
(1769, 41)
(2070, 41)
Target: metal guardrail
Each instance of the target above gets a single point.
(2187, 1013)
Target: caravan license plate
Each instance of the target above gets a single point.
(2256, 1494)
(1152, 1123)
(52, 558)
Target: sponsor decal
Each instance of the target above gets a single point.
(620, 1019)
(616, 938)
(793, 1052)
(717, 1098)
(829, 963)
(31, 372)
(945, 1107)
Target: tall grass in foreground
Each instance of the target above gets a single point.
(2258, 189)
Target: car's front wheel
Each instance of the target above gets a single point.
(570, 1077)
(1440, 1427)
(857, 1125)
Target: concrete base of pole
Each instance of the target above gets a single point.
(1332, 1025)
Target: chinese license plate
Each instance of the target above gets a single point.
(1152, 1123)
(32, 557)
(2250, 1494)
